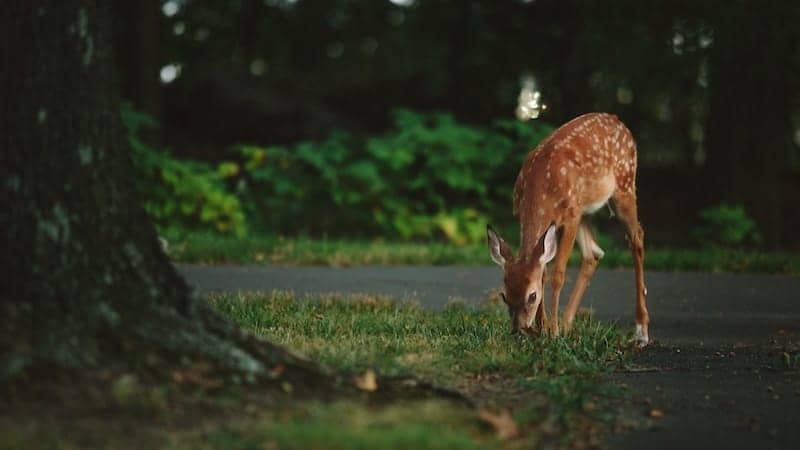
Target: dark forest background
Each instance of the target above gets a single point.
(709, 89)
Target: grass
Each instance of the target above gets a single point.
(207, 248)
(553, 386)
(304, 425)
(348, 425)
(367, 332)
(528, 392)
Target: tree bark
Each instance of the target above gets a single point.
(86, 282)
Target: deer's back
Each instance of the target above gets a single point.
(577, 167)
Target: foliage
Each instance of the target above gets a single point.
(672, 73)
(727, 226)
(430, 177)
(179, 194)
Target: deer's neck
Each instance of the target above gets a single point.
(530, 236)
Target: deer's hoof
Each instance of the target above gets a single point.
(640, 337)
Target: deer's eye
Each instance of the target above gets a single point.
(532, 297)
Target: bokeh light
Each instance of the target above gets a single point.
(529, 102)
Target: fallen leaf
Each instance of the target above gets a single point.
(197, 378)
(276, 371)
(367, 382)
(503, 423)
(656, 413)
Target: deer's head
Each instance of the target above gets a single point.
(522, 277)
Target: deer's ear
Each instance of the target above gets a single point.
(549, 245)
(498, 249)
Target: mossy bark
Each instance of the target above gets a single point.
(86, 283)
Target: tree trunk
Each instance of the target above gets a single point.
(250, 21)
(749, 127)
(86, 282)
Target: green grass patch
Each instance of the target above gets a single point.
(547, 383)
(350, 426)
(358, 333)
(206, 248)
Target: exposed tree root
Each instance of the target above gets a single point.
(159, 344)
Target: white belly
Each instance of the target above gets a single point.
(593, 207)
(599, 191)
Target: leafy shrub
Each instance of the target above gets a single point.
(179, 194)
(430, 177)
(726, 225)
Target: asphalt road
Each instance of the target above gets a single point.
(714, 376)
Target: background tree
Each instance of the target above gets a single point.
(137, 34)
(753, 77)
(679, 73)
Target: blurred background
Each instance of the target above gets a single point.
(398, 119)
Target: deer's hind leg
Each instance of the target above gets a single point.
(590, 257)
(625, 203)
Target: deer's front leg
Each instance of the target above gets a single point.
(541, 318)
(590, 256)
(560, 269)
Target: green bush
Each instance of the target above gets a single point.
(177, 194)
(726, 226)
(430, 177)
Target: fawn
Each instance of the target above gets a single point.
(573, 172)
